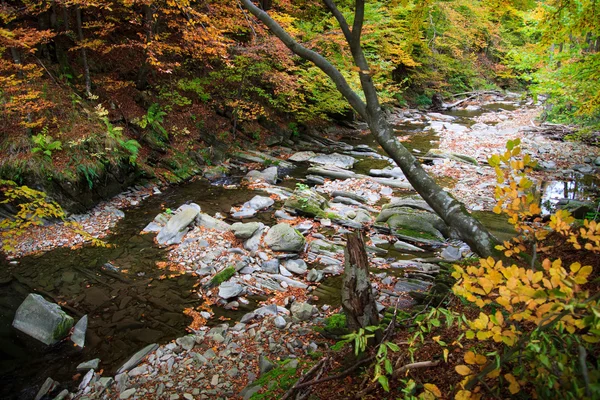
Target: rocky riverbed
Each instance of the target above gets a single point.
(265, 268)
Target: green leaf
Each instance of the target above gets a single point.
(388, 367)
(383, 381)
(393, 346)
(435, 322)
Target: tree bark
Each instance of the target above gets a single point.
(448, 208)
(357, 294)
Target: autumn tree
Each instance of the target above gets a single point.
(449, 209)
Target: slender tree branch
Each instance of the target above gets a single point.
(340, 18)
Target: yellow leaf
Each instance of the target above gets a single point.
(430, 387)
(480, 359)
(575, 267)
(470, 357)
(514, 387)
(494, 374)
(463, 370)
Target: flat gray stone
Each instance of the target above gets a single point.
(334, 159)
(91, 364)
(176, 228)
(244, 230)
(137, 358)
(280, 322)
(228, 290)
(78, 336)
(297, 267)
(209, 222)
(271, 266)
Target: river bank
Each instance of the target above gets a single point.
(294, 278)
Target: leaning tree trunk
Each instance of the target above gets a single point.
(448, 208)
(358, 301)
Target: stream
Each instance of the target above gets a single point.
(131, 302)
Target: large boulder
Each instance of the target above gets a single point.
(282, 237)
(42, 320)
(176, 228)
(334, 159)
(307, 202)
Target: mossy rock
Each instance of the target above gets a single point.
(307, 202)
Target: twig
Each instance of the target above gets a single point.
(291, 391)
(337, 376)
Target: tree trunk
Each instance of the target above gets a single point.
(448, 208)
(84, 60)
(142, 78)
(357, 294)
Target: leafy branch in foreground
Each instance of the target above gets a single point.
(540, 315)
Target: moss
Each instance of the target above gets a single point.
(277, 380)
(416, 234)
(62, 329)
(336, 321)
(222, 276)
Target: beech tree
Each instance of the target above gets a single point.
(449, 209)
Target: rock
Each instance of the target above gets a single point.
(282, 237)
(400, 245)
(91, 364)
(137, 358)
(245, 230)
(187, 342)
(176, 228)
(264, 365)
(597, 161)
(547, 165)
(350, 195)
(249, 391)
(304, 227)
(228, 290)
(78, 336)
(334, 159)
(259, 203)
(302, 156)
(86, 380)
(254, 205)
(48, 386)
(451, 253)
(298, 267)
(271, 266)
(584, 169)
(271, 309)
(314, 275)
(283, 271)
(302, 311)
(214, 380)
(332, 172)
(42, 320)
(388, 172)
(127, 393)
(436, 153)
(307, 202)
(62, 395)
(268, 175)
(253, 243)
(209, 222)
(289, 281)
(280, 322)
(280, 214)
